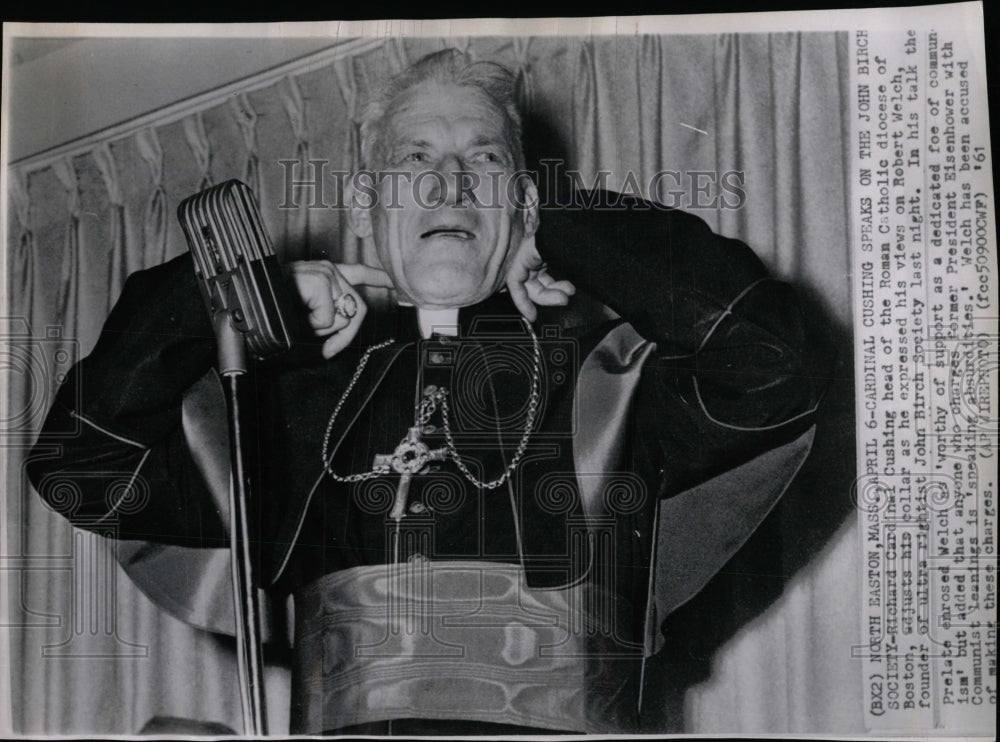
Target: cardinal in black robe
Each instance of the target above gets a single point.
(482, 517)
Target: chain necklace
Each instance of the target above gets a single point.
(336, 411)
(412, 455)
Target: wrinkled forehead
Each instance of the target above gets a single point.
(460, 109)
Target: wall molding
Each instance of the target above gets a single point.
(202, 101)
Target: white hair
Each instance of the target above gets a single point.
(448, 66)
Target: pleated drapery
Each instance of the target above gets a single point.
(766, 109)
(66, 303)
(246, 119)
(155, 214)
(23, 247)
(118, 269)
(201, 150)
(297, 218)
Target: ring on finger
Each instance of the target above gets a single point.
(346, 306)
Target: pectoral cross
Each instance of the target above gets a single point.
(409, 458)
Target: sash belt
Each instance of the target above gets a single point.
(459, 640)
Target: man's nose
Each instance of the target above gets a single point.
(454, 187)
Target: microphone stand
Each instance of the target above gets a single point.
(233, 366)
(241, 283)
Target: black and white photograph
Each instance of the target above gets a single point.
(497, 377)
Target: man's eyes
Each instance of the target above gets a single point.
(476, 158)
(485, 157)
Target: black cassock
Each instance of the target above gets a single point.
(530, 603)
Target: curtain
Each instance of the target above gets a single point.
(90, 654)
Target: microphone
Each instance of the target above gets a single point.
(243, 289)
(238, 273)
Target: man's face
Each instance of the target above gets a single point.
(445, 221)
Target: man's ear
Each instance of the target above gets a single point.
(360, 194)
(529, 208)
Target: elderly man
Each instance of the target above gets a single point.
(466, 512)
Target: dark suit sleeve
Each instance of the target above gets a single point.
(738, 365)
(119, 456)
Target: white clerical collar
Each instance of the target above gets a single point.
(441, 321)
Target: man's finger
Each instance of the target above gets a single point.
(339, 323)
(314, 286)
(549, 282)
(556, 293)
(548, 297)
(335, 343)
(321, 284)
(321, 311)
(359, 274)
(348, 328)
(519, 294)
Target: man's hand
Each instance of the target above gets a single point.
(335, 308)
(529, 282)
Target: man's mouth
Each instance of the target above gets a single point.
(455, 233)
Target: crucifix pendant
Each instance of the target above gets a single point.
(409, 458)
